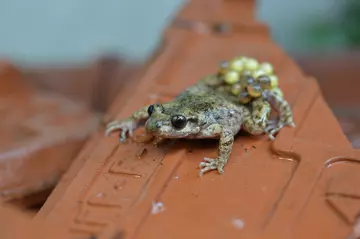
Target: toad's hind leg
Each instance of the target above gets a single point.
(281, 106)
(260, 111)
(256, 121)
(284, 110)
(249, 124)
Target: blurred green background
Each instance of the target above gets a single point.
(49, 31)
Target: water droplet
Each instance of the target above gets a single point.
(157, 207)
(100, 195)
(238, 223)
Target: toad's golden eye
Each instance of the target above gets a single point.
(268, 82)
(178, 121)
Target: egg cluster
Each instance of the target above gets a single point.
(248, 78)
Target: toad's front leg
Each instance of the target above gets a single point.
(127, 126)
(225, 147)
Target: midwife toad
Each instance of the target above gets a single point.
(201, 111)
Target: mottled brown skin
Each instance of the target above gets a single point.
(208, 113)
(260, 107)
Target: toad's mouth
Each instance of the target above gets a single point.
(170, 132)
(172, 135)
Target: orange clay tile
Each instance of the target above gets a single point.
(94, 84)
(302, 185)
(16, 224)
(13, 85)
(40, 135)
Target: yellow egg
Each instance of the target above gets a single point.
(267, 68)
(236, 65)
(268, 82)
(246, 78)
(251, 64)
(231, 77)
(223, 67)
(236, 89)
(259, 72)
(254, 90)
(244, 97)
(274, 81)
(264, 81)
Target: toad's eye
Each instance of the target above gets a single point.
(150, 110)
(178, 121)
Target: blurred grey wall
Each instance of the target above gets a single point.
(41, 31)
(46, 31)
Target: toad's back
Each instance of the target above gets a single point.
(200, 98)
